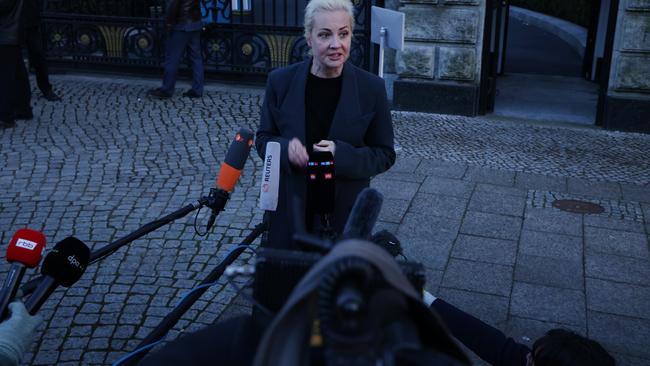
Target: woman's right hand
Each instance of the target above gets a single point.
(298, 153)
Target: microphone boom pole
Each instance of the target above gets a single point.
(174, 316)
(145, 229)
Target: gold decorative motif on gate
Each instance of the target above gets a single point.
(279, 48)
(114, 38)
(143, 42)
(247, 49)
(84, 39)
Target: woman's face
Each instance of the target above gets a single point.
(330, 39)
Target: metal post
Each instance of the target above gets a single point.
(382, 43)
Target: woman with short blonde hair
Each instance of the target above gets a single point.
(324, 105)
(315, 6)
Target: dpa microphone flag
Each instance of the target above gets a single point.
(270, 177)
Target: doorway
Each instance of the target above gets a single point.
(541, 68)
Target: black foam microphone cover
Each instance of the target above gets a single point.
(364, 214)
(67, 261)
(63, 266)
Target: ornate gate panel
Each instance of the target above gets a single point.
(239, 36)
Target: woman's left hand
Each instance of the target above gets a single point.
(325, 145)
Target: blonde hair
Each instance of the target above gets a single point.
(315, 6)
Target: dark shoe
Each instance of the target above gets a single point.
(51, 96)
(191, 94)
(157, 93)
(24, 115)
(7, 124)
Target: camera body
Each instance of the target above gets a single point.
(277, 272)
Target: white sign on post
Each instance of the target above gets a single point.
(387, 30)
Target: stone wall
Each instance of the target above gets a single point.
(628, 97)
(442, 55)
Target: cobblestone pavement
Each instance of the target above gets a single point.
(471, 197)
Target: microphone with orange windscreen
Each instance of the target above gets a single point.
(230, 172)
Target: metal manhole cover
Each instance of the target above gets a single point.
(576, 206)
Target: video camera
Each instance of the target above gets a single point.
(351, 305)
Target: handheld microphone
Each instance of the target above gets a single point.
(321, 185)
(230, 171)
(270, 177)
(63, 266)
(24, 251)
(364, 214)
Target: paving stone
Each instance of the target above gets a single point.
(428, 228)
(618, 298)
(552, 272)
(490, 176)
(551, 245)
(434, 277)
(393, 210)
(94, 358)
(488, 308)
(441, 169)
(553, 221)
(560, 305)
(71, 355)
(501, 190)
(624, 243)
(480, 277)
(491, 225)
(619, 269)
(620, 334)
(395, 189)
(482, 249)
(614, 224)
(635, 192)
(541, 182)
(589, 188)
(405, 164)
(404, 177)
(438, 205)
(447, 187)
(433, 254)
(497, 204)
(46, 358)
(628, 360)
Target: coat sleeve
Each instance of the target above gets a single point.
(268, 130)
(489, 343)
(378, 154)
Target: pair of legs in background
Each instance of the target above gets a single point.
(178, 41)
(15, 92)
(34, 44)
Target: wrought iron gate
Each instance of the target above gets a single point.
(239, 36)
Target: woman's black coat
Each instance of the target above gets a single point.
(362, 130)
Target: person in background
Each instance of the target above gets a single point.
(183, 21)
(558, 347)
(15, 93)
(31, 25)
(324, 104)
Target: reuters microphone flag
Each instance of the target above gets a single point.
(270, 177)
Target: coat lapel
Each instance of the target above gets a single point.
(293, 106)
(347, 109)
